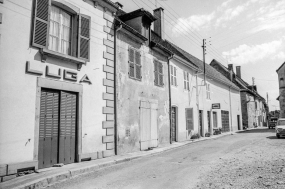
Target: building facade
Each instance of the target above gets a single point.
(254, 107)
(281, 77)
(57, 83)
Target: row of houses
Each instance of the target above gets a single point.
(84, 80)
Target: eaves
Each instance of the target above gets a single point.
(186, 63)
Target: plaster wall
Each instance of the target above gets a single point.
(18, 89)
(281, 79)
(129, 92)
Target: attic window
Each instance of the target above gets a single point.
(281, 79)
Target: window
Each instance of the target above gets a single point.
(61, 31)
(158, 73)
(173, 71)
(134, 64)
(186, 81)
(189, 119)
(208, 92)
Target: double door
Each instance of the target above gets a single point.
(57, 128)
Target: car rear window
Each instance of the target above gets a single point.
(281, 122)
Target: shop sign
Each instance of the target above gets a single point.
(67, 74)
(216, 106)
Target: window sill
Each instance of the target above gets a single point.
(135, 78)
(45, 53)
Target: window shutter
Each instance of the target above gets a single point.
(189, 119)
(155, 73)
(131, 62)
(175, 79)
(41, 23)
(84, 37)
(160, 70)
(171, 70)
(138, 64)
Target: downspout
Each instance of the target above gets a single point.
(115, 90)
(231, 108)
(169, 88)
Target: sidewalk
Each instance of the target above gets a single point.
(49, 176)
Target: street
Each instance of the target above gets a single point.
(250, 159)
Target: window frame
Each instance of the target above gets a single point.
(208, 91)
(186, 79)
(41, 31)
(173, 75)
(156, 72)
(136, 65)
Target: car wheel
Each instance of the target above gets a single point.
(278, 136)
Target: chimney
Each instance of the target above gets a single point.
(119, 5)
(230, 68)
(238, 71)
(159, 23)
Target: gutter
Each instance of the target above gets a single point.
(230, 98)
(115, 88)
(169, 88)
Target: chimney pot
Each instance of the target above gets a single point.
(230, 67)
(238, 71)
(159, 23)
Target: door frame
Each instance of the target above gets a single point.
(176, 122)
(65, 86)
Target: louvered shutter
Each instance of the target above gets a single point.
(138, 64)
(171, 70)
(189, 119)
(84, 37)
(131, 62)
(175, 79)
(155, 72)
(160, 70)
(41, 23)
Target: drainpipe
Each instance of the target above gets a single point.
(115, 90)
(169, 88)
(230, 98)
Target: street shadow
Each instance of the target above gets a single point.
(257, 130)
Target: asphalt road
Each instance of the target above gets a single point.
(206, 164)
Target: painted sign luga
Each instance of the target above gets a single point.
(67, 74)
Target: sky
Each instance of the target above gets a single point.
(246, 33)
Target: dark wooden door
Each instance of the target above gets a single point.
(57, 128)
(215, 120)
(173, 124)
(209, 120)
(48, 128)
(201, 122)
(238, 122)
(225, 121)
(67, 133)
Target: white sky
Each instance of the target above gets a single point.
(249, 33)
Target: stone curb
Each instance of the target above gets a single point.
(68, 174)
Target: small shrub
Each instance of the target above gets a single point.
(195, 136)
(207, 134)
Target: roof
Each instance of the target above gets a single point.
(136, 13)
(112, 4)
(280, 67)
(210, 71)
(244, 86)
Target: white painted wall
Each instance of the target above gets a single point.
(18, 89)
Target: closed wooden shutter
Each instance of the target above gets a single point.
(138, 64)
(84, 37)
(132, 62)
(153, 122)
(160, 71)
(41, 23)
(155, 72)
(189, 119)
(171, 70)
(67, 127)
(175, 78)
(145, 124)
(48, 128)
(225, 121)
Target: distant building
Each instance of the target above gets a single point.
(281, 79)
(254, 107)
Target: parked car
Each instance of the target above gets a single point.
(272, 122)
(280, 128)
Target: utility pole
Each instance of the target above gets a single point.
(253, 81)
(204, 53)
